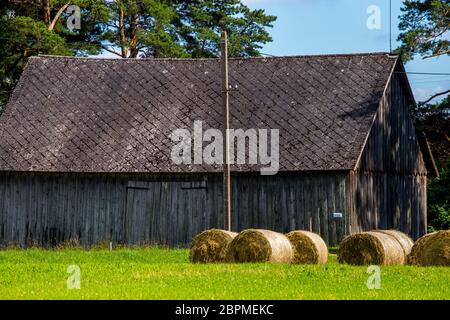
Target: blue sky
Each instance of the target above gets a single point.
(340, 26)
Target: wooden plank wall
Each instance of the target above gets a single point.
(389, 187)
(384, 201)
(47, 209)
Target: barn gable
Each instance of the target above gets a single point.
(100, 115)
(388, 184)
(393, 144)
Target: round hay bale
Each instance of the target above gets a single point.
(405, 241)
(260, 246)
(210, 246)
(413, 257)
(308, 247)
(371, 248)
(432, 249)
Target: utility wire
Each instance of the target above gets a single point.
(430, 81)
(425, 73)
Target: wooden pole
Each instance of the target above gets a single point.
(226, 127)
(390, 26)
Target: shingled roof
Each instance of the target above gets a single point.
(106, 115)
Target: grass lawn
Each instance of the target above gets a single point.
(167, 274)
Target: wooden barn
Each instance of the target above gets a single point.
(85, 149)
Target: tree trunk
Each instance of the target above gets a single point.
(46, 11)
(122, 38)
(133, 26)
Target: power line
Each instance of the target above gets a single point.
(435, 78)
(425, 73)
(438, 78)
(429, 81)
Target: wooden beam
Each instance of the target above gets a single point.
(226, 127)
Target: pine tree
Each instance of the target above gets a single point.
(424, 25)
(32, 27)
(200, 23)
(127, 28)
(141, 28)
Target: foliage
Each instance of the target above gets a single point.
(424, 25)
(200, 23)
(162, 28)
(24, 33)
(141, 28)
(434, 121)
(21, 37)
(128, 28)
(94, 16)
(167, 274)
(439, 200)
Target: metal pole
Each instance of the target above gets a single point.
(226, 127)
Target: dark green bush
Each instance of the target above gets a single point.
(439, 200)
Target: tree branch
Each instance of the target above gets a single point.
(111, 51)
(434, 96)
(57, 16)
(437, 54)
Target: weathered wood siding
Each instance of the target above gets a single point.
(389, 186)
(387, 190)
(47, 209)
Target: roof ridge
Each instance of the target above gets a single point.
(211, 59)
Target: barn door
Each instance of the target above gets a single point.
(165, 212)
(339, 215)
(138, 214)
(192, 216)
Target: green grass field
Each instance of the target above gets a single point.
(167, 274)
